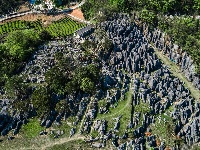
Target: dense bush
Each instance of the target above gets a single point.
(65, 79)
(21, 43)
(16, 49)
(42, 100)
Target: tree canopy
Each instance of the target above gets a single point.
(41, 100)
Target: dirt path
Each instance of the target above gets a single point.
(176, 72)
(52, 143)
(62, 141)
(32, 15)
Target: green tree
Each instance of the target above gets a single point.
(62, 106)
(56, 80)
(15, 88)
(21, 43)
(41, 100)
(45, 35)
(87, 85)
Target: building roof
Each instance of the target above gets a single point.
(83, 30)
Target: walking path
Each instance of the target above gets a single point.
(176, 72)
(62, 141)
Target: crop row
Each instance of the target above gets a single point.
(63, 27)
(60, 28)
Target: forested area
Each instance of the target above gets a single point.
(67, 78)
(16, 50)
(183, 30)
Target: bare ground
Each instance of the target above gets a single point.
(46, 19)
(77, 13)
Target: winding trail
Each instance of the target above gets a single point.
(62, 141)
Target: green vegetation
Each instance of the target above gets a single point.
(71, 145)
(63, 78)
(20, 44)
(164, 127)
(63, 27)
(142, 108)
(60, 28)
(63, 127)
(31, 129)
(42, 101)
(150, 8)
(15, 87)
(91, 8)
(183, 30)
(19, 25)
(186, 33)
(16, 49)
(19, 40)
(123, 109)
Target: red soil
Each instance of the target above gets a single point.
(77, 13)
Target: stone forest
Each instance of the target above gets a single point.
(100, 75)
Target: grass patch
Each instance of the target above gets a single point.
(94, 133)
(164, 127)
(63, 127)
(119, 109)
(123, 108)
(142, 107)
(102, 103)
(31, 129)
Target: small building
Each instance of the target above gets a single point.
(83, 32)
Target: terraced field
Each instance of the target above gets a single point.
(61, 28)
